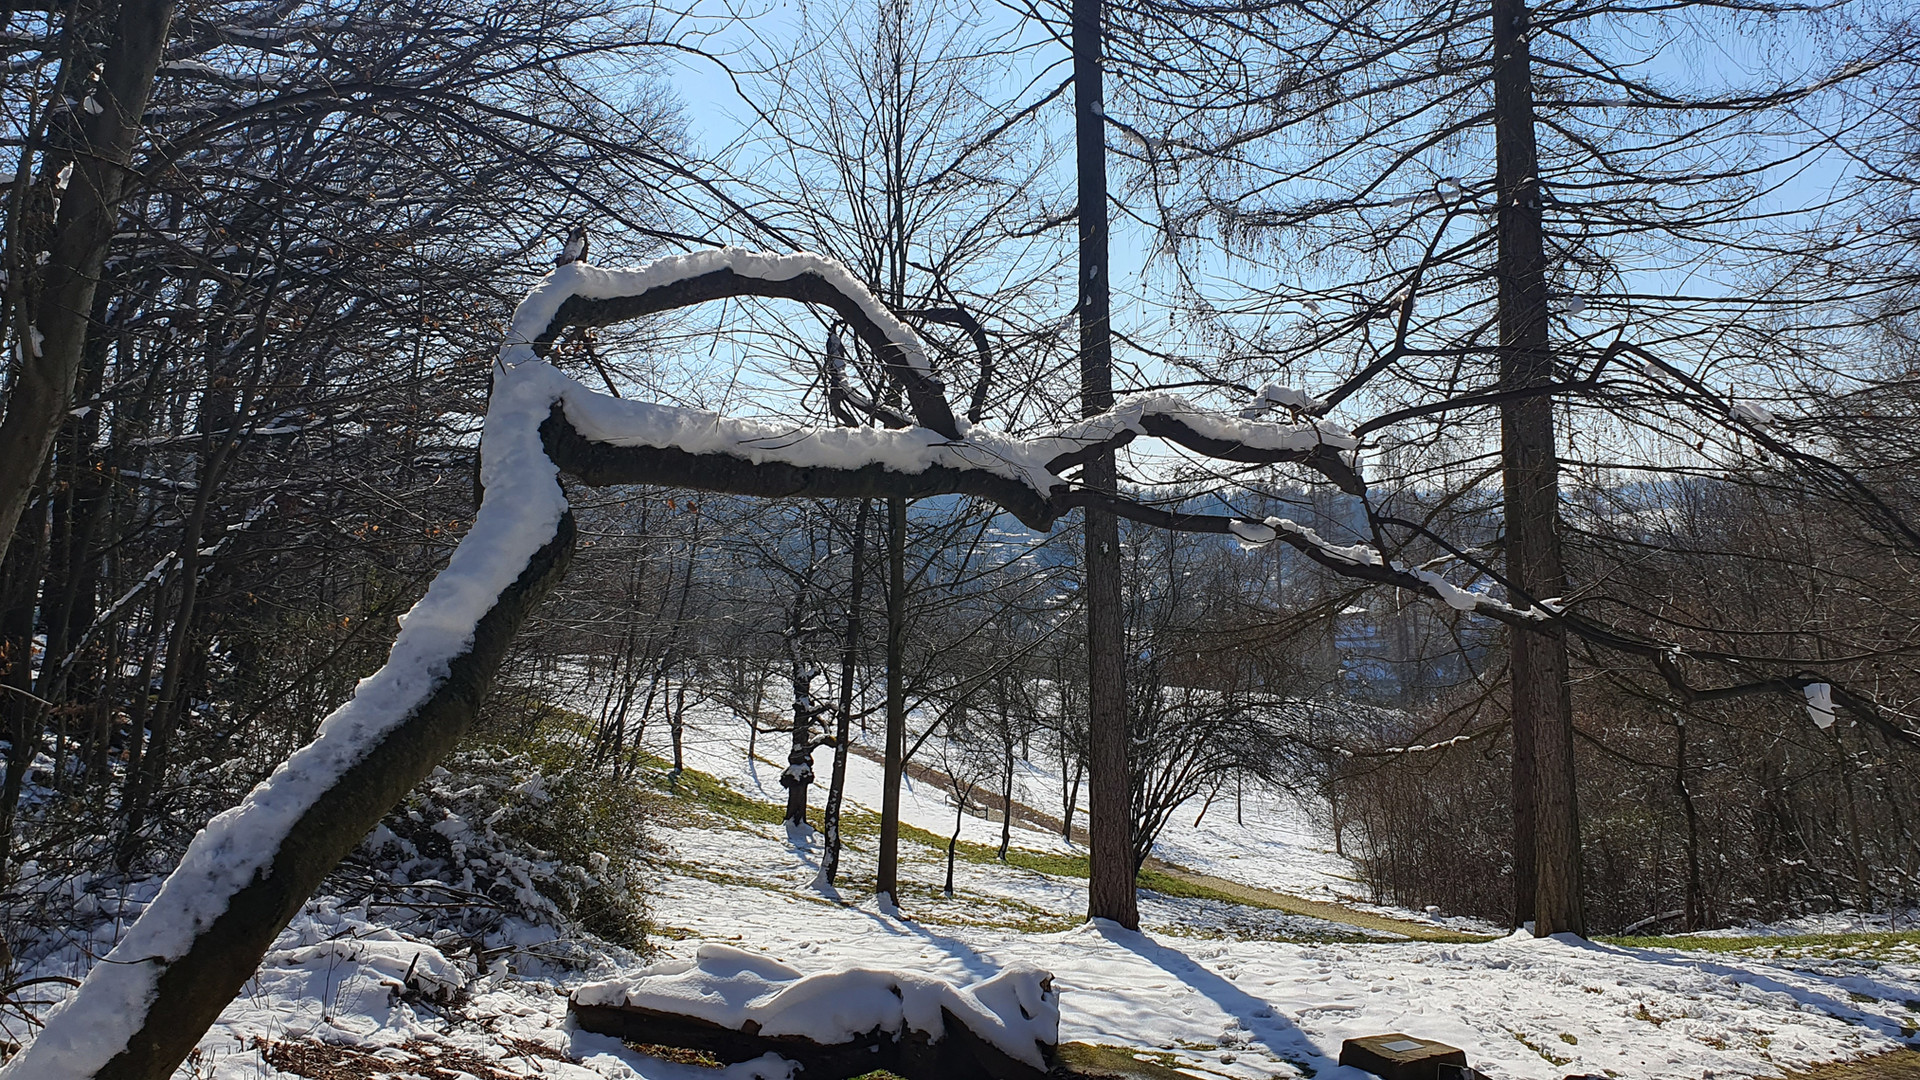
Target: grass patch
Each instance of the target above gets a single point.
(1053, 864)
(1171, 882)
(1551, 1058)
(1167, 885)
(727, 802)
(709, 794)
(928, 903)
(1899, 946)
(726, 805)
(1102, 1060)
(1898, 1065)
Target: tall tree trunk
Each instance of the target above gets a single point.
(1544, 802)
(843, 719)
(888, 879)
(24, 715)
(676, 728)
(171, 705)
(953, 842)
(42, 386)
(1007, 735)
(753, 722)
(1071, 756)
(1110, 888)
(1695, 909)
(1006, 804)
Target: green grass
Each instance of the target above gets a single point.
(709, 794)
(1053, 864)
(1901, 945)
(1167, 885)
(1336, 933)
(1120, 1062)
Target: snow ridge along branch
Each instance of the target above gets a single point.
(142, 1010)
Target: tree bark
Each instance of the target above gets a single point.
(1695, 910)
(843, 721)
(1110, 888)
(1544, 801)
(20, 710)
(887, 881)
(798, 775)
(953, 842)
(89, 213)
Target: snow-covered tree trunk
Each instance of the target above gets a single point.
(797, 777)
(252, 868)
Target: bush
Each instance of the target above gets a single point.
(510, 851)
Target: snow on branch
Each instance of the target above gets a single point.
(250, 868)
(605, 440)
(1365, 562)
(578, 294)
(581, 295)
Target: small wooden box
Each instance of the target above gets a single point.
(1401, 1057)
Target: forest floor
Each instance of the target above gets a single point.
(1255, 959)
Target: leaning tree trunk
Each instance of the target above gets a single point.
(192, 989)
(1544, 803)
(140, 1012)
(1110, 888)
(89, 213)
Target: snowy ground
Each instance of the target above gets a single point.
(1254, 837)
(1219, 989)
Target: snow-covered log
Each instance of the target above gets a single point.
(837, 1024)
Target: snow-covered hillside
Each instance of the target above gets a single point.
(1212, 987)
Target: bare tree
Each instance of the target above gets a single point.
(54, 257)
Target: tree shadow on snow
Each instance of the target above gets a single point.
(1833, 1006)
(895, 924)
(1264, 1026)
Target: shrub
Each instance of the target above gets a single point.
(495, 844)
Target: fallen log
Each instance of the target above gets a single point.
(837, 1024)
